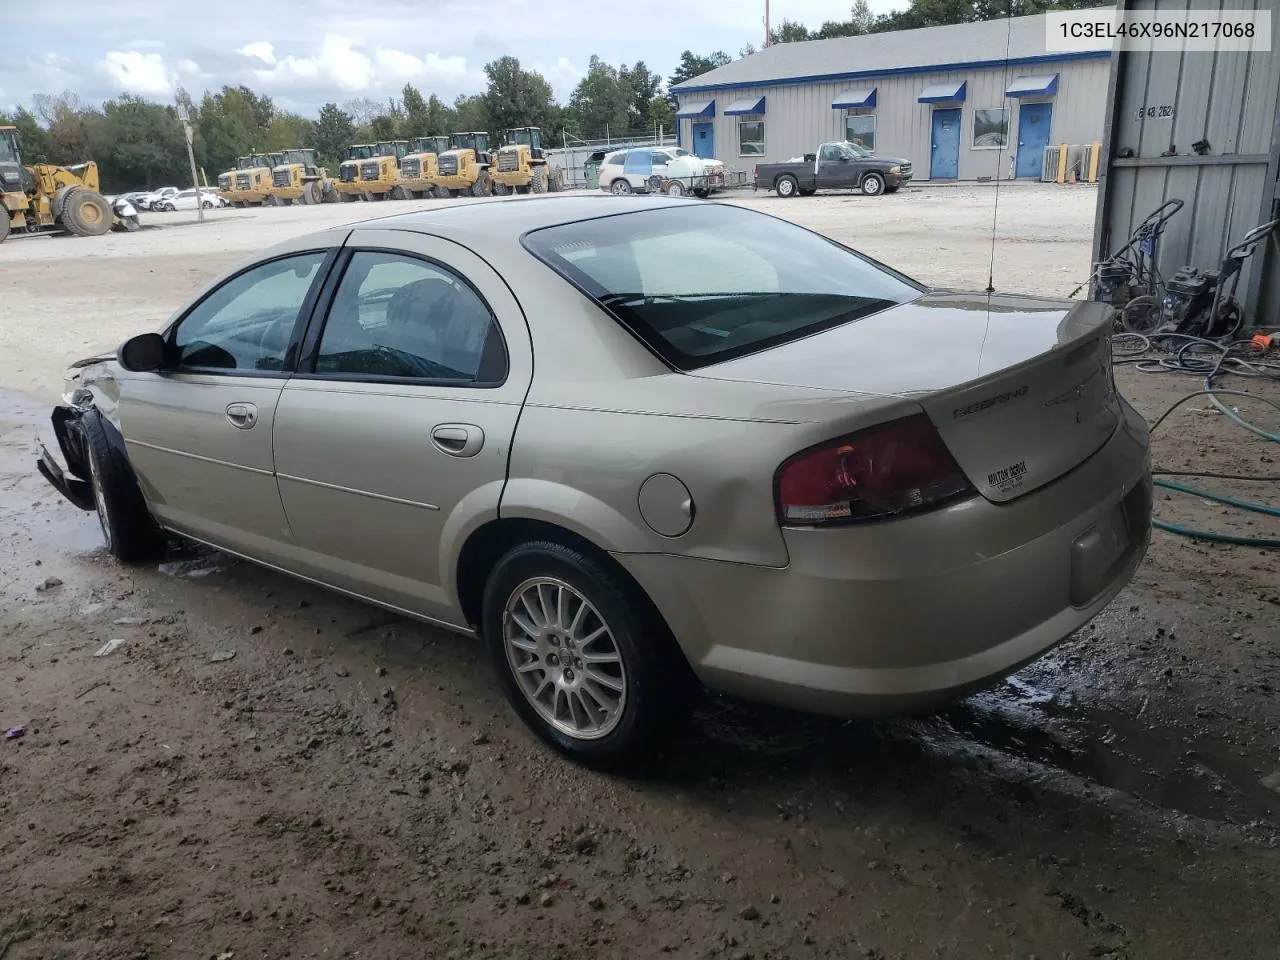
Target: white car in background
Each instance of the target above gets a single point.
(186, 200)
(618, 177)
(149, 200)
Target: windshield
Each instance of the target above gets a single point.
(359, 153)
(8, 147)
(708, 283)
(855, 150)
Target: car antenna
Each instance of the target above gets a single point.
(995, 207)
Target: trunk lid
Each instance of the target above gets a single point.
(1019, 388)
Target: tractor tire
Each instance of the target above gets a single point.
(85, 212)
(538, 182)
(483, 187)
(130, 224)
(347, 197)
(286, 201)
(501, 190)
(399, 193)
(4, 225)
(240, 205)
(311, 192)
(273, 201)
(522, 190)
(328, 194)
(555, 181)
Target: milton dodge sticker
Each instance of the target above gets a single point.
(1009, 478)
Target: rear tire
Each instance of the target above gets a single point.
(347, 197)
(441, 193)
(538, 180)
(675, 189)
(127, 525)
(501, 190)
(207, 204)
(5, 226)
(483, 186)
(555, 181)
(787, 186)
(620, 187)
(272, 200)
(399, 193)
(85, 212)
(657, 685)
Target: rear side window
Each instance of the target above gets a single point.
(703, 284)
(401, 318)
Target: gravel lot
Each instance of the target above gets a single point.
(349, 784)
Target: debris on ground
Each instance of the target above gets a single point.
(110, 647)
(13, 733)
(222, 656)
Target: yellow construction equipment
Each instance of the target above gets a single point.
(464, 168)
(419, 168)
(46, 198)
(251, 179)
(521, 165)
(300, 178)
(370, 170)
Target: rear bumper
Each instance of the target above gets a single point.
(910, 614)
(66, 428)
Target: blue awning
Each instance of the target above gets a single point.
(862, 99)
(1033, 87)
(697, 108)
(744, 106)
(952, 90)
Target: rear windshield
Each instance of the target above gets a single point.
(709, 282)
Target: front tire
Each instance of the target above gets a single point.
(620, 187)
(582, 655)
(127, 525)
(483, 186)
(538, 180)
(399, 193)
(872, 185)
(787, 186)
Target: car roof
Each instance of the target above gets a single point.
(518, 216)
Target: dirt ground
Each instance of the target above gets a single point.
(262, 769)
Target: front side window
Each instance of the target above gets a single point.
(861, 130)
(750, 137)
(246, 324)
(704, 284)
(399, 317)
(8, 147)
(991, 128)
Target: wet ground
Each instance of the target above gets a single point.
(262, 769)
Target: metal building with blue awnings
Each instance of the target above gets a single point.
(962, 102)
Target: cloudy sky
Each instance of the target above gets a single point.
(305, 52)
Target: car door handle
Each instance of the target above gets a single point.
(458, 439)
(242, 415)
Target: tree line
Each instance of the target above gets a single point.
(138, 143)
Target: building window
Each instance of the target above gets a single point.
(861, 129)
(750, 137)
(991, 128)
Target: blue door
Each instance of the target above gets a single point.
(1034, 120)
(704, 141)
(944, 159)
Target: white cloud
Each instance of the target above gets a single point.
(563, 77)
(260, 50)
(189, 67)
(140, 73)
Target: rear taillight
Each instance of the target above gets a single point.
(884, 471)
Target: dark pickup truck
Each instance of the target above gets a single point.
(836, 166)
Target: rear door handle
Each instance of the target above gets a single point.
(242, 415)
(458, 439)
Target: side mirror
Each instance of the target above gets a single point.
(144, 353)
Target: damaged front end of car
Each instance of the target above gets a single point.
(78, 398)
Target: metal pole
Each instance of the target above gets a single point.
(191, 156)
(766, 22)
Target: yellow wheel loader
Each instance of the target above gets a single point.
(300, 179)
(251, 179)
(521, 165)
(45, 198)
(370, 170)
(419, 168)
(464, 167)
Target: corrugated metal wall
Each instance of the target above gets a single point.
(1228, 99)
(799, 116)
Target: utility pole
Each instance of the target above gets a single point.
(191, 155)
(766, 22)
